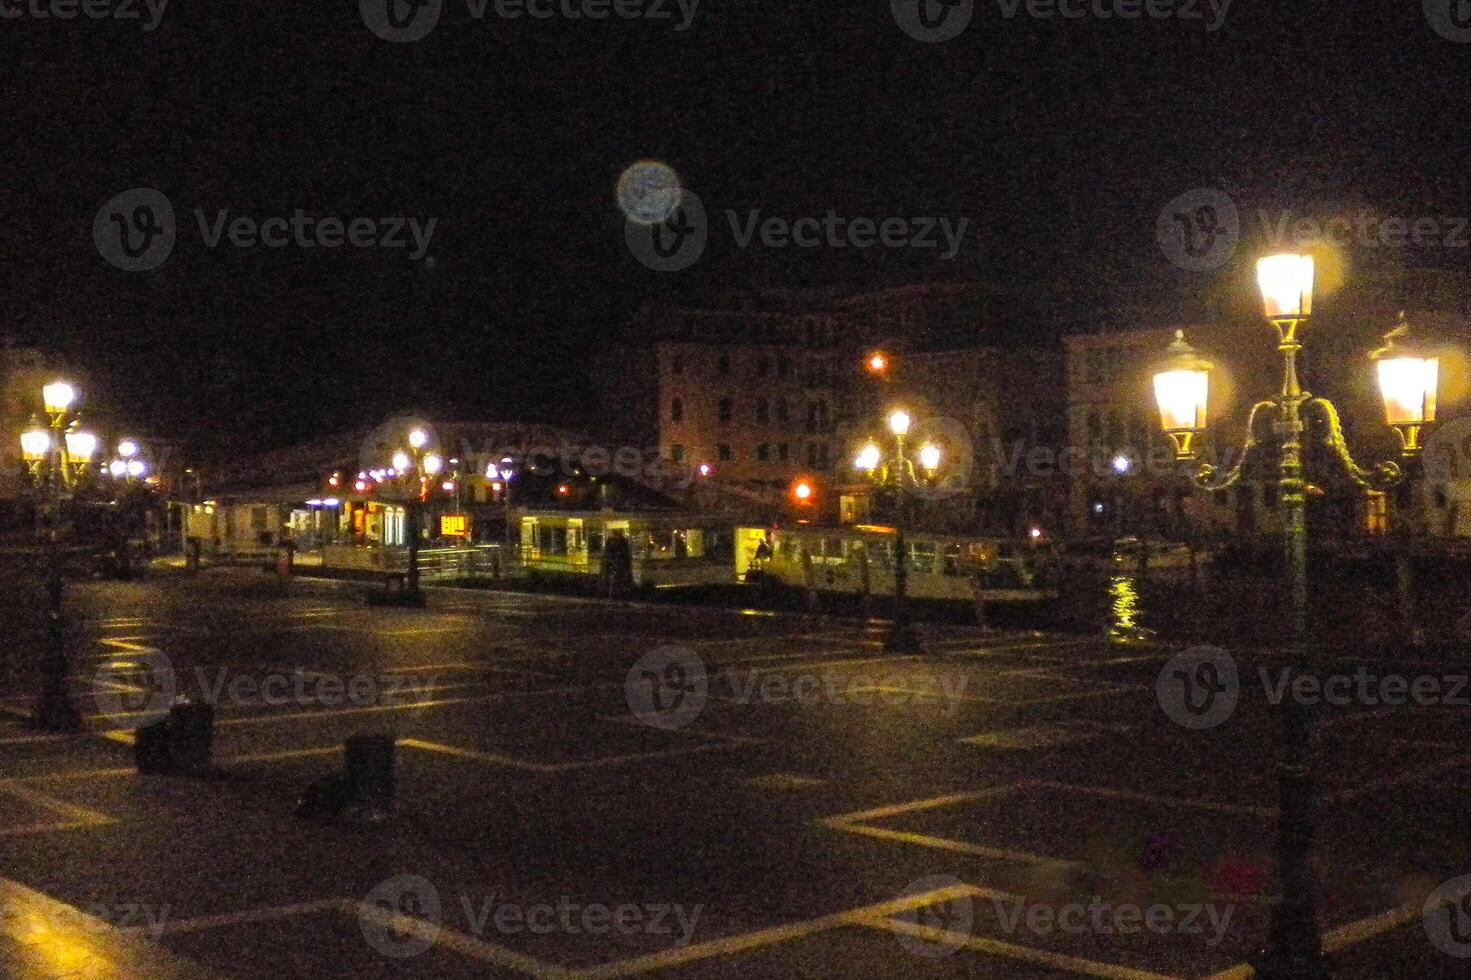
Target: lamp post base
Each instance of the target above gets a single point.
(1295, 965)
(901, 638)
(55, 713)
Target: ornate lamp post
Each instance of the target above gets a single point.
(897, 474)
(57, 456)
(417, 467)
(1408, 382)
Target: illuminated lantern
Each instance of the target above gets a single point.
(1182, 390)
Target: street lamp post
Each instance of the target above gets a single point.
(897, 474)
(418, 466)
(1408, 382)
(56, 456)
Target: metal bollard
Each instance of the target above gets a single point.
(191, 737)
(370, 779)
(180, 745)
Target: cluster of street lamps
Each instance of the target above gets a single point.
(416, 467)
(1408, 379)
(57, 455)
(897, 473)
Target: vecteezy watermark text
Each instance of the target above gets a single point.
(136, 230)
(933, 21)
(669, 687)
(142, 687)
(1101, 917)
(120, 10)
(1201, 688)
(385, 914)
(406, 21)
(678, 241)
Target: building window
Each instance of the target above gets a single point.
(763, 410)
(723, 364)
(676, 453)
(783, 366)
(763, 366)
(676, 364)
(783, 451)
(724, 453)
(763, 452)
(727, 409)
(812, 454)
(676, 410)
(783, 411)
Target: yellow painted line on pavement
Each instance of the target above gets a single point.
(76, 817)
(731, 945)
(173, 927)
(552, 768)
(1131, 796)
(1011, 951)
(1415, 776)
(981, 699)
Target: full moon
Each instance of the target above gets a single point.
(648, 191)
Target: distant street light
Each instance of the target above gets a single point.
(57, 459)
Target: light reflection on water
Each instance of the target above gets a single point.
(1125, 611)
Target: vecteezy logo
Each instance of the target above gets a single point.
(136, 689)
(388, 438)
(1447, 917)
(383, 914)
(932, 21)
(135, 231)
(1199, 689)
(1448, 456)
(1199, 230)
(675, 243)
(1451, 19)
(942, 927)
(667, 688)
(401, 21)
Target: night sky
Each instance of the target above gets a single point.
(1059, 140)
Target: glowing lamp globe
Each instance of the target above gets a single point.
(929, 457)
(80, 446)
(1286, 283)
(868, 458)
(35, 443)
(1409, 382)
(58, 396)
(1182, 391)
(899, 422)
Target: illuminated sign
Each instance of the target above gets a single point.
(452, 526)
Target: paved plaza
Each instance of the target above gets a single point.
(590, 790)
